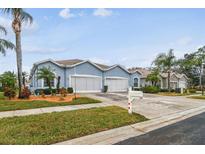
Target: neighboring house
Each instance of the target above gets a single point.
(176, 80)
(86, 76)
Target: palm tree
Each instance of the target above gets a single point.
(47, 74)
(5, 44)
(165, 62)
(19, 17)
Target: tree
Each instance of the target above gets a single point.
(47, 74)
(58, 84)
(19, 17)
(165, 62)
(191, 65)
(153, 77)
(5, 44)
(24, 75)
(8, 79)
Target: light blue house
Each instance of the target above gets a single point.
(86, 76)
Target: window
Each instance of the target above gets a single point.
(135, 82)
(46, 85)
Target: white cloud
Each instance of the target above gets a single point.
(102, 12)
(66, 13)
(185, 41)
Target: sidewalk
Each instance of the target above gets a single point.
(119, 134)
(50, 109)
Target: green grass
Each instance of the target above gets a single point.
(1, 95)
(197, 97)
(55, 127)
(172, 94)
(6, 105)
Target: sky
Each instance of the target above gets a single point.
(130, 37)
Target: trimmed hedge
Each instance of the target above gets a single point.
(151, 89)
(45, 91)
(70, 90)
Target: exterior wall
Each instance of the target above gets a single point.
(35, 83)
(116, 72)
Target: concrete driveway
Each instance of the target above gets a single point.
(152, 106)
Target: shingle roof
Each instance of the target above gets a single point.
(76, 61)
(69, 62)
(143, 71)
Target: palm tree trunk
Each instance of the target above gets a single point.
(169, 81)
(19, 61)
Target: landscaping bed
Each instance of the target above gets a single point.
(56, 127)
(8, 105)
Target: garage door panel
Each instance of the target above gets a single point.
(116, 84)
(86, 84)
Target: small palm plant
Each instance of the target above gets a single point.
(47, 74)
(5, 44)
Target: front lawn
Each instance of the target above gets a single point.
(55, 127)
(172, 94)
(7, 105)
(1, 95)
(197, 97)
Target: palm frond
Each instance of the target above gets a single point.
(26, 17)
(2, 29)
(6, 44)
(19, 13)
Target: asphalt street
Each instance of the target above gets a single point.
(187, 132)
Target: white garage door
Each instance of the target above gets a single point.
(116, 84)
(86, 83)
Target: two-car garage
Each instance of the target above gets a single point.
(90, 78)
(94, 84)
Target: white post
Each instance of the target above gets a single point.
(129, 106)
(182, 90)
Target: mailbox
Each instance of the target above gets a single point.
(133, 95)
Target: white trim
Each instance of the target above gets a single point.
(114, 66)
(85, 61)
(116, 77)
(86, 75)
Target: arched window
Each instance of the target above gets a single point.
(135, 82)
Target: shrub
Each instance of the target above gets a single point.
(46, 91)
(136, 89)
(105, 89)
(9, 92)
(150, 89)
(42, 94)
(63, 92)
(70, 90)
(192, 91)
(164, 90)
(178, 90)
(25, 94)
(1, 89)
